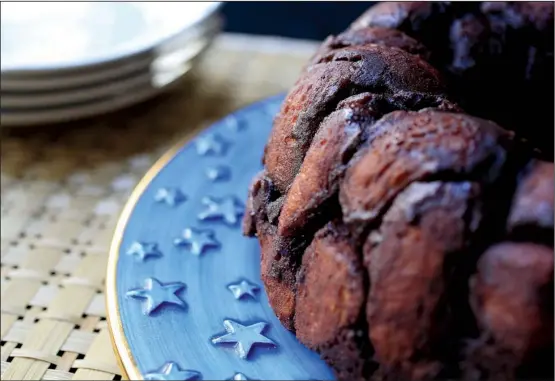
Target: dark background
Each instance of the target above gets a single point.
(306, 20)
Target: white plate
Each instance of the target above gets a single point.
(68, 81)
(29, 118)
(93, 75)
(167, 62)
(162, 80)
(50, 36)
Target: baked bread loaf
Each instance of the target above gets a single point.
(404, 234)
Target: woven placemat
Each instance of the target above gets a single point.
(63, 186)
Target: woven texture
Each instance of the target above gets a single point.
(63, 186)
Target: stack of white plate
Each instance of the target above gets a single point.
(62, 61)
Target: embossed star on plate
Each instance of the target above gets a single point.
(156, 294)
(211, 144)
(197, 240)
(228, 209)
(242, 288)
(244, 337)
(143, 250)
(172, 371)
(170, 196)
(218, 173)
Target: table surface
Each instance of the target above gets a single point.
(63, 186)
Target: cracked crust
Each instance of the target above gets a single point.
(371, 35)
(397, 231)
(488, 52)
(516, 317)
(330, 303)
(533, 202)
(423, 238)
(338, 75)
(410, 146)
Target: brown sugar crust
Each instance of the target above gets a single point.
(260, 219)
(488, 52)
(330, 286)
(281, 292)
(411, 146)
(330, 301)
(337, 139)
(401, 15)
(408, 307)
(338, 75)
(534, 197)
(371, 35)
(512, 296)
(411, 187)
(401, 237)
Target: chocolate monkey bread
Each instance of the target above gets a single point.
(405, 210)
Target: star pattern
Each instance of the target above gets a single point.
(243, 288)
(197, 240)
(172, 371)
(243, 337)
(155, 294)
(143, 250)
(210, 144)
(170, 196)
(227, 209)
(218, 173)
(238, 376)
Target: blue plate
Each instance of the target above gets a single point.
(185, 300)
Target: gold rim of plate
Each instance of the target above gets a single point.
(120, 345)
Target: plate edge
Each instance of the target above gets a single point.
(124, 54)
(120, 345)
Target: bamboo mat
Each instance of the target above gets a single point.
(63, 186)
